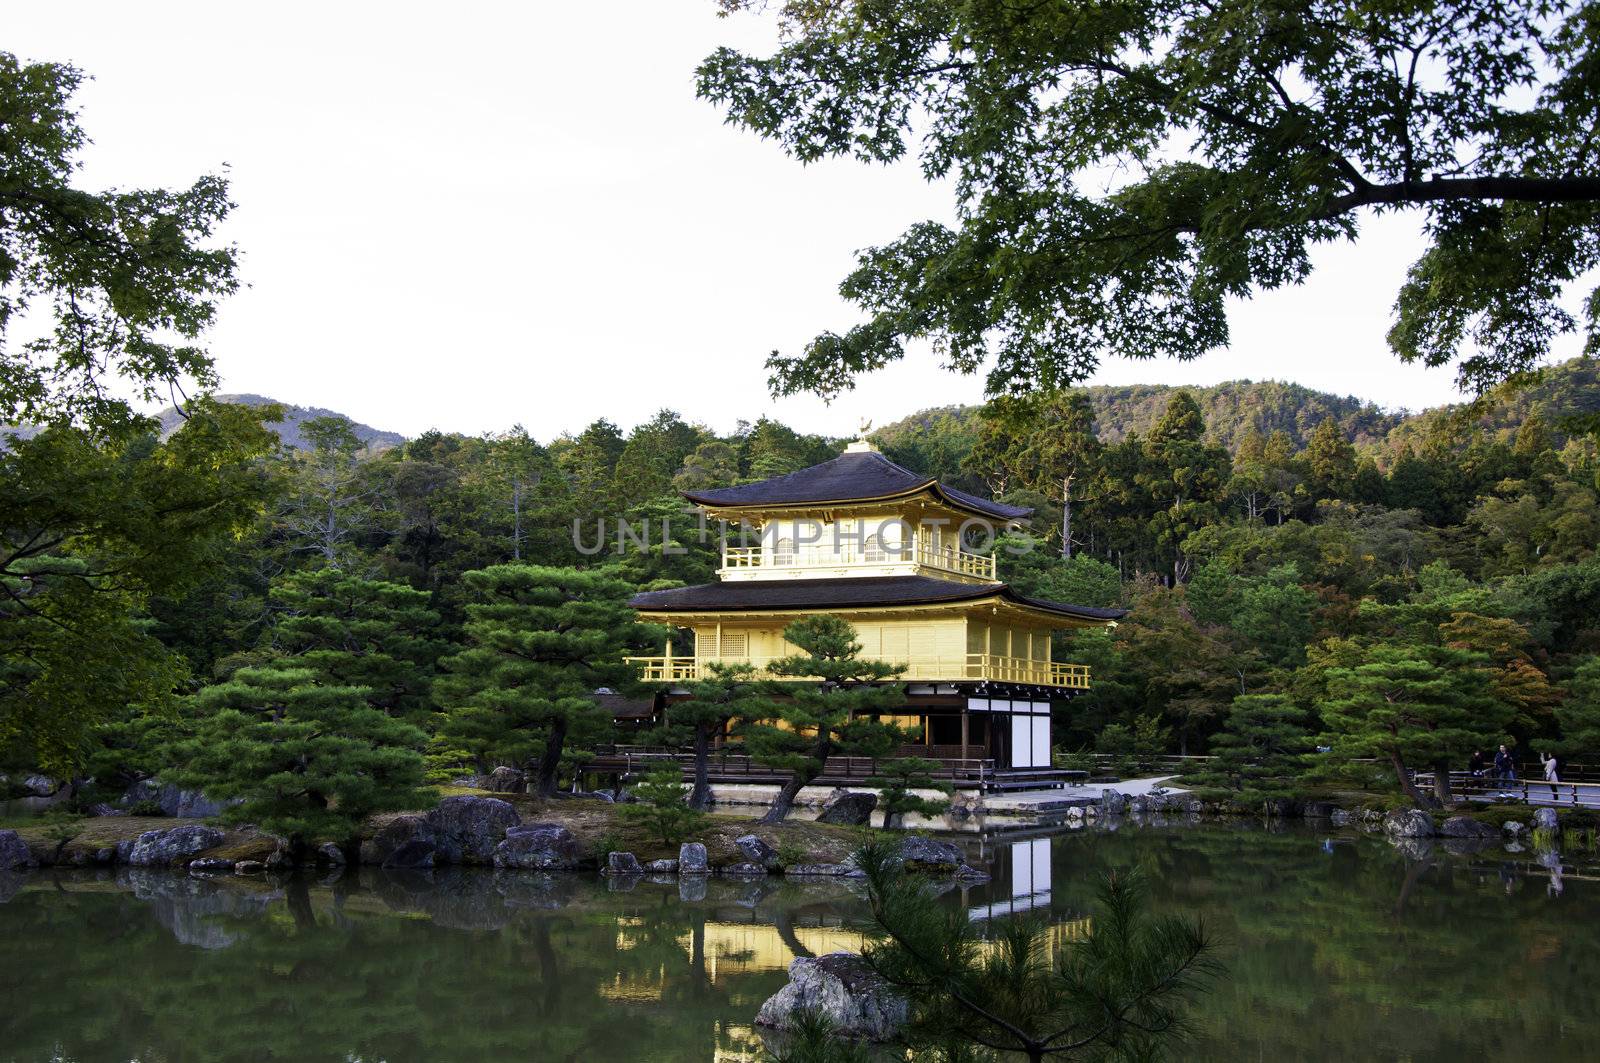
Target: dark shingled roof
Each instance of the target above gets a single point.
(858, 592)
(850, 476)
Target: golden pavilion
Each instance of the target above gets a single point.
(887, 549)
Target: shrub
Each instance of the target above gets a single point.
(662, 807)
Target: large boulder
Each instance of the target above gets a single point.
(1466, 827)
(1340, 817)
(412, 855)
(918, 853)
(849, 809)
(538, 846)
(1113, 802)
(1408, 823)
(14, 851)
(844, 990)
(692, 859)
(1545, 819)
(175, 801)
(618, 863)
(467, 829)
(167, 847)
(410, 831)
(759, 852)
(40, 785)
(504, 780)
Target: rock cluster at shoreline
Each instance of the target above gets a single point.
(462, 831)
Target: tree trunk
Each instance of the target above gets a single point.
(1066, 518)
(516, 520)
(700, 795)
(550, 761)
(799, 780)
(1441, 784)
(1407, 784)
(786, 795)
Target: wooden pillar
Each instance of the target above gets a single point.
(965, 733)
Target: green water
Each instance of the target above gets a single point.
(1338, 949)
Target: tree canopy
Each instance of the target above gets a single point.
(1122, 170)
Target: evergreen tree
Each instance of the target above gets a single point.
(661, 808)
(714, 463)
(332, 499)
(1413, 705)
(1580, 713)
(310, 759)
(1261, 751)
(590, 462)
(1331, 461)
(1185, 477)
(654, 453)
(1116, 993)
(830, 713)
(898, 779)
(382, 636)
(540, 643)
(726, 694)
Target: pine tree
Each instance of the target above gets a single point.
(1262, 749)
(360, 632)
(310, 759)
(897, 780)
(830, 713)
(541, 641)
(727, 694)
(1332, 461)
(1116, 993)
(1579, 715)
(1408, 704)
(661, 808)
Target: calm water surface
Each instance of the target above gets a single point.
(1338, 948)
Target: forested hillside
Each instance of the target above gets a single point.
(288, 429)
(938, 440)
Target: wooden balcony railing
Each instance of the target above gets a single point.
(973, 666)
(850, 555)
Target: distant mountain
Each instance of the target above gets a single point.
(294, 416)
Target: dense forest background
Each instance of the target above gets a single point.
(1266, 539)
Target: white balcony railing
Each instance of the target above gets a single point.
(849, 555)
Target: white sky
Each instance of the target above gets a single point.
(466, 216)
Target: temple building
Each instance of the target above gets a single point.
(890, 551)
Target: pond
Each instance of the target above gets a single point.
(1338, 947)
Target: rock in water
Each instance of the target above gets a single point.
(848, 809)
(13, 851)
(1340, 817)
(163, 848)
(843, 989)
(924, 854)
(409, 829)
(1466, 827)
(692, 859)
(1113, 802)
(1545, 819)
(330, 853)
(748, 869)
(1408, 823)
(504, 780)
(466, 830)
(623, 864)
(662, 867)
(540, 846)
(757, 851)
